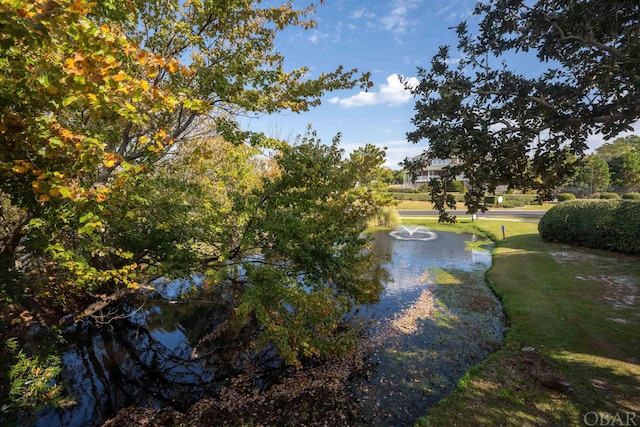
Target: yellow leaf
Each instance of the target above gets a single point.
(69, 63)
(92, 97)
(19, 168)
(119, 77)
(159, 60)
(110, 160)
(66, 133)
(79, 6)
(172, 66)
(142, 58)
(144, 85)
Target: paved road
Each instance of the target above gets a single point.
(489, 213)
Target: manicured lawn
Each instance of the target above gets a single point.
(413, 205)
(572, 354)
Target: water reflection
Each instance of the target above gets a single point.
(145, 359)
(436, 319)
(408, 261)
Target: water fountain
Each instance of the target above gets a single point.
(413, 233)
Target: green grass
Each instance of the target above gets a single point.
(580, 310)
(412, 205)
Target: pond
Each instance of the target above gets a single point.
(436, 318)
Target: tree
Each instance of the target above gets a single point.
(524, 131)
(121, 161)
(294, 227)
(593, 174)
(622, 156)
(95, 94)
(618, 147)
(625, 169)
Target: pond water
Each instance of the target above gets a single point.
(436, 318)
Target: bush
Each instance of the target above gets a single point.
(600, 224)
(456, 187)
(609, 196)
(511, 203)
(386, 216)
(520, 199)
(631, 196)
(422, 197)
(401, 189)
(564, 197)
(510, 200)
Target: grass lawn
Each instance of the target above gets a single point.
(572, 353)
(413, 205)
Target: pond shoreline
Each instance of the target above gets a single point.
(430, 331)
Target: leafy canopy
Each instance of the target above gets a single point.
(526, 131)
(121, 160)
(94, 94)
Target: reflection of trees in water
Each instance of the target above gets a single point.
(147, 359)
(140, 365)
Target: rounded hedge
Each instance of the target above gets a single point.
(563, 197)
(610, 196)
(600, 224)
(631, 196)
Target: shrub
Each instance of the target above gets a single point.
(599, 224)
(631, 196)
(490, 200)
(401, 189)
(511, 203)
(386, 216)
(609, 196)
(456, 187)
(521, 199)
(423, 197)
(458, 197)
(563, 197)
(512, 200)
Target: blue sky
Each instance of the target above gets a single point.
(384, 37)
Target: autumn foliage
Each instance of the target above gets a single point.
(121, 161)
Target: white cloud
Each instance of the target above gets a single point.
(399, 19)
(399, 149)
(391, 93)
(358, 13)
(452, 10)
(319, 37)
